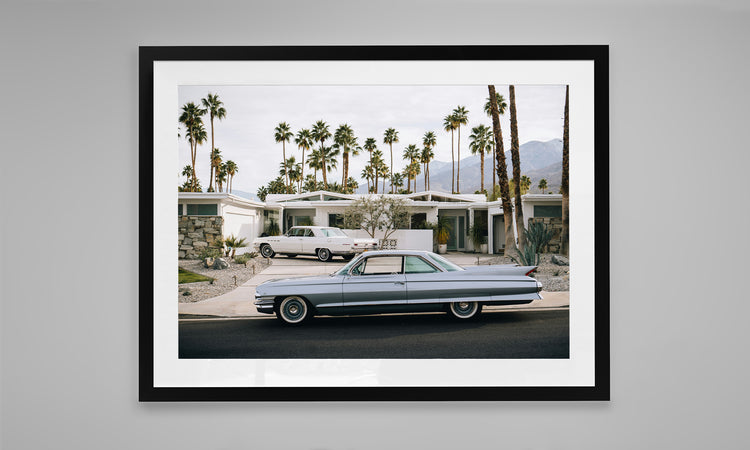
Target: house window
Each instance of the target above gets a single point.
(202, 210)
(336, 220)
(179, 209)
(547, 211)
(419, 221)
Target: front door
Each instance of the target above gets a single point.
(457, 233)
(377, 284)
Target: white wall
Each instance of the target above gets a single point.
(404, 239)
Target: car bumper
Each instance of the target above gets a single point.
(264, 304)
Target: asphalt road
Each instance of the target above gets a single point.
(506, 334)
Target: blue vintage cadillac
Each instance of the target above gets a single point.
(395, 281)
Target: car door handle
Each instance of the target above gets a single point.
(399, 282)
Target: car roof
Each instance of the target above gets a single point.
(396, 252)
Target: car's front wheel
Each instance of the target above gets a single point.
(266, 251)
(464, 310)
(324, 254)
(293, 310)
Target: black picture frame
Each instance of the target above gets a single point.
(598, 54)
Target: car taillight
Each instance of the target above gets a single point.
(531, 271)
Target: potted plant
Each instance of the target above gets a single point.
(478, 238)
(442, 233)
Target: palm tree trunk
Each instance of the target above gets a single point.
(458, 171)
(516, 159)
(502, 174)
(211, 154)
(494, 154)
(286, 171)
(453, 167)
(323, 158)
(564, 236)
(193, 152)
(346, 169)
(302, 174)
(481, 154)
(391, 145)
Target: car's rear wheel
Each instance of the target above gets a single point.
(266, 251)
(293, 310)
(324, 254)
(464, 310)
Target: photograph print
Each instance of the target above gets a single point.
(339, 227)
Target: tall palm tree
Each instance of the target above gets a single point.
(195, 132)
(345, 141)
(216, 161)
(221, 176)
(428, 141)
(315, 163)
(564, 236)
(501, 107)
(215, 110)
(370, 146)
(320, 133)
(411, 171)
(304, 141)
(461, 115)
(412, 154)
(283, 133)
(232, 169)
(187, 172)
(543, 185)
(449, 124)
(398, 180)
(368, 174)
(480, 141)
(390, 137)
(377, 167)
(525, 184)
(502, 173)
(516, 159)
(292, 170)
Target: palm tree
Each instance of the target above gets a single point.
(411, 171)
(290, 169)
(411, 153)
(564, 183)
(320, 133)
(516, 159)
(221, 176)
(390, 137)
(345, 140)
(283, 134)
(328, 154)
(502, 173)
(195, 132)
(304, 142)
(543, 185)
(215, 110)
(216, 161)
(525, 184)
(315, 163)
(449, 124)
(429, 140)
(232, 169)
(461, 116)
(398, 180)
(368, 174)
(501, 107)
(480, 141)
(187, 172)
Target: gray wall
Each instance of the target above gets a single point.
(679, 121)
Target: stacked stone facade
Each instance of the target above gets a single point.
(197, 233)
(555, 225)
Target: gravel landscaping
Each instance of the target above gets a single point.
(553, 277)
(224, 279)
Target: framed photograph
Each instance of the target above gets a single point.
(374, 223)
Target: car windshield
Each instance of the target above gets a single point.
(331, 232)
(444, 263)
(344, 270)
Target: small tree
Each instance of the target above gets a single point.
(233, 243)
(374, 214)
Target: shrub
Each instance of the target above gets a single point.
(538, 236)
(527, 257)
(233, 244)
(209, 252)
(245, 257)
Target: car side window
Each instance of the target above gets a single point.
(415, 264)
(309, 233)
(382, 265)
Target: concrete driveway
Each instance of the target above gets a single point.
(239, 302)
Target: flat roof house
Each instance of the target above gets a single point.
(205, 216)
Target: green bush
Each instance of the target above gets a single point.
(245, 257)
(209, 253)
(527, 257)
(538, 236)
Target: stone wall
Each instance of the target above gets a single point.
(196, 233)
(554, 224)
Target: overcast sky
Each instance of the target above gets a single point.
(246, 134)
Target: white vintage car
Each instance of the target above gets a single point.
(323, 242)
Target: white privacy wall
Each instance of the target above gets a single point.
(399, 239)
(69, 318)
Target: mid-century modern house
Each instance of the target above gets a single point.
(205, 217)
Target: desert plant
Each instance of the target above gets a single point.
(442, 230)
(526, 257)
(233, 243)
(273, 228)
(245, 258)
(209, 252)
(538, 236)
(477, 234)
